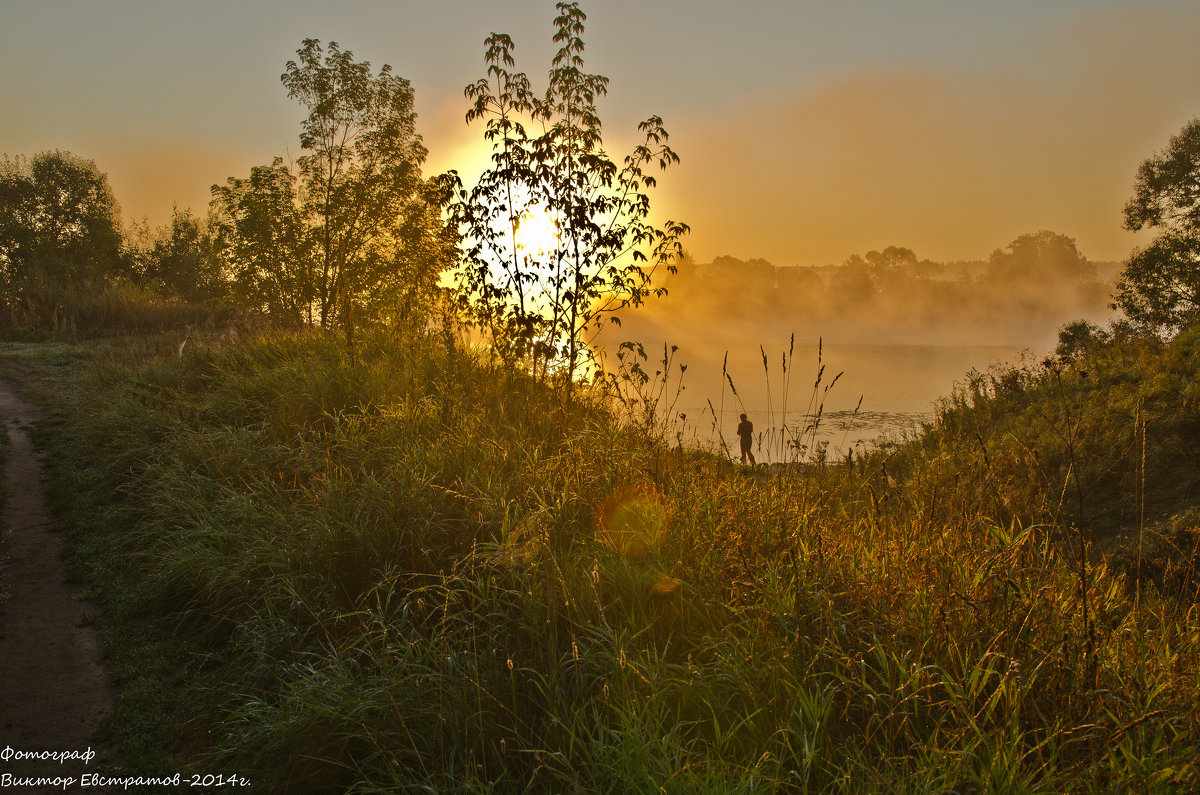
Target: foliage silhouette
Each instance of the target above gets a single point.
(262, 236)
(180, 260)
(542, 307)
(59, 229)
(347, 235)
(1160, 287)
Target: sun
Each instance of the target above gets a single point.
(537, 233)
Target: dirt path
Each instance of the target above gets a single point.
(53, 687)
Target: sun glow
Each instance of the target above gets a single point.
(537, 233)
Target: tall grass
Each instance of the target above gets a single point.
(417, 571)
(86, 311)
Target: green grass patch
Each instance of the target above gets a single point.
(414, 570)
(4, 592)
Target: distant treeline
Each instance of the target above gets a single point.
(349, 235)
(1022, 294)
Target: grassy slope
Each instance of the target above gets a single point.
(392, 573)
(4, 594)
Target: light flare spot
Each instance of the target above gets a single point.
(633, 520)
(665, 585)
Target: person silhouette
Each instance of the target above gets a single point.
(745, 431)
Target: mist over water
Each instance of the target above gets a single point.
(867, 393)
(846, 357)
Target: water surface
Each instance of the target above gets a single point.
(845, 395)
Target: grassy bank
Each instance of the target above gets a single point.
(416, 570)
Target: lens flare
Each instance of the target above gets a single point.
(633, 520)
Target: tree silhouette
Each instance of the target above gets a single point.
(542, 306)
(263, 237)
(347, 235)
(59, 228)
(1160, 286)
(181, 260)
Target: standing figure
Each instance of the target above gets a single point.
(745, 431)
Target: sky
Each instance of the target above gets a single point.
(808, 130)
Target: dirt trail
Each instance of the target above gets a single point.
(53, 688)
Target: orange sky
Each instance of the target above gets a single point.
(809, 131)
(950, 163)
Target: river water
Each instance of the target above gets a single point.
(866, 393)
